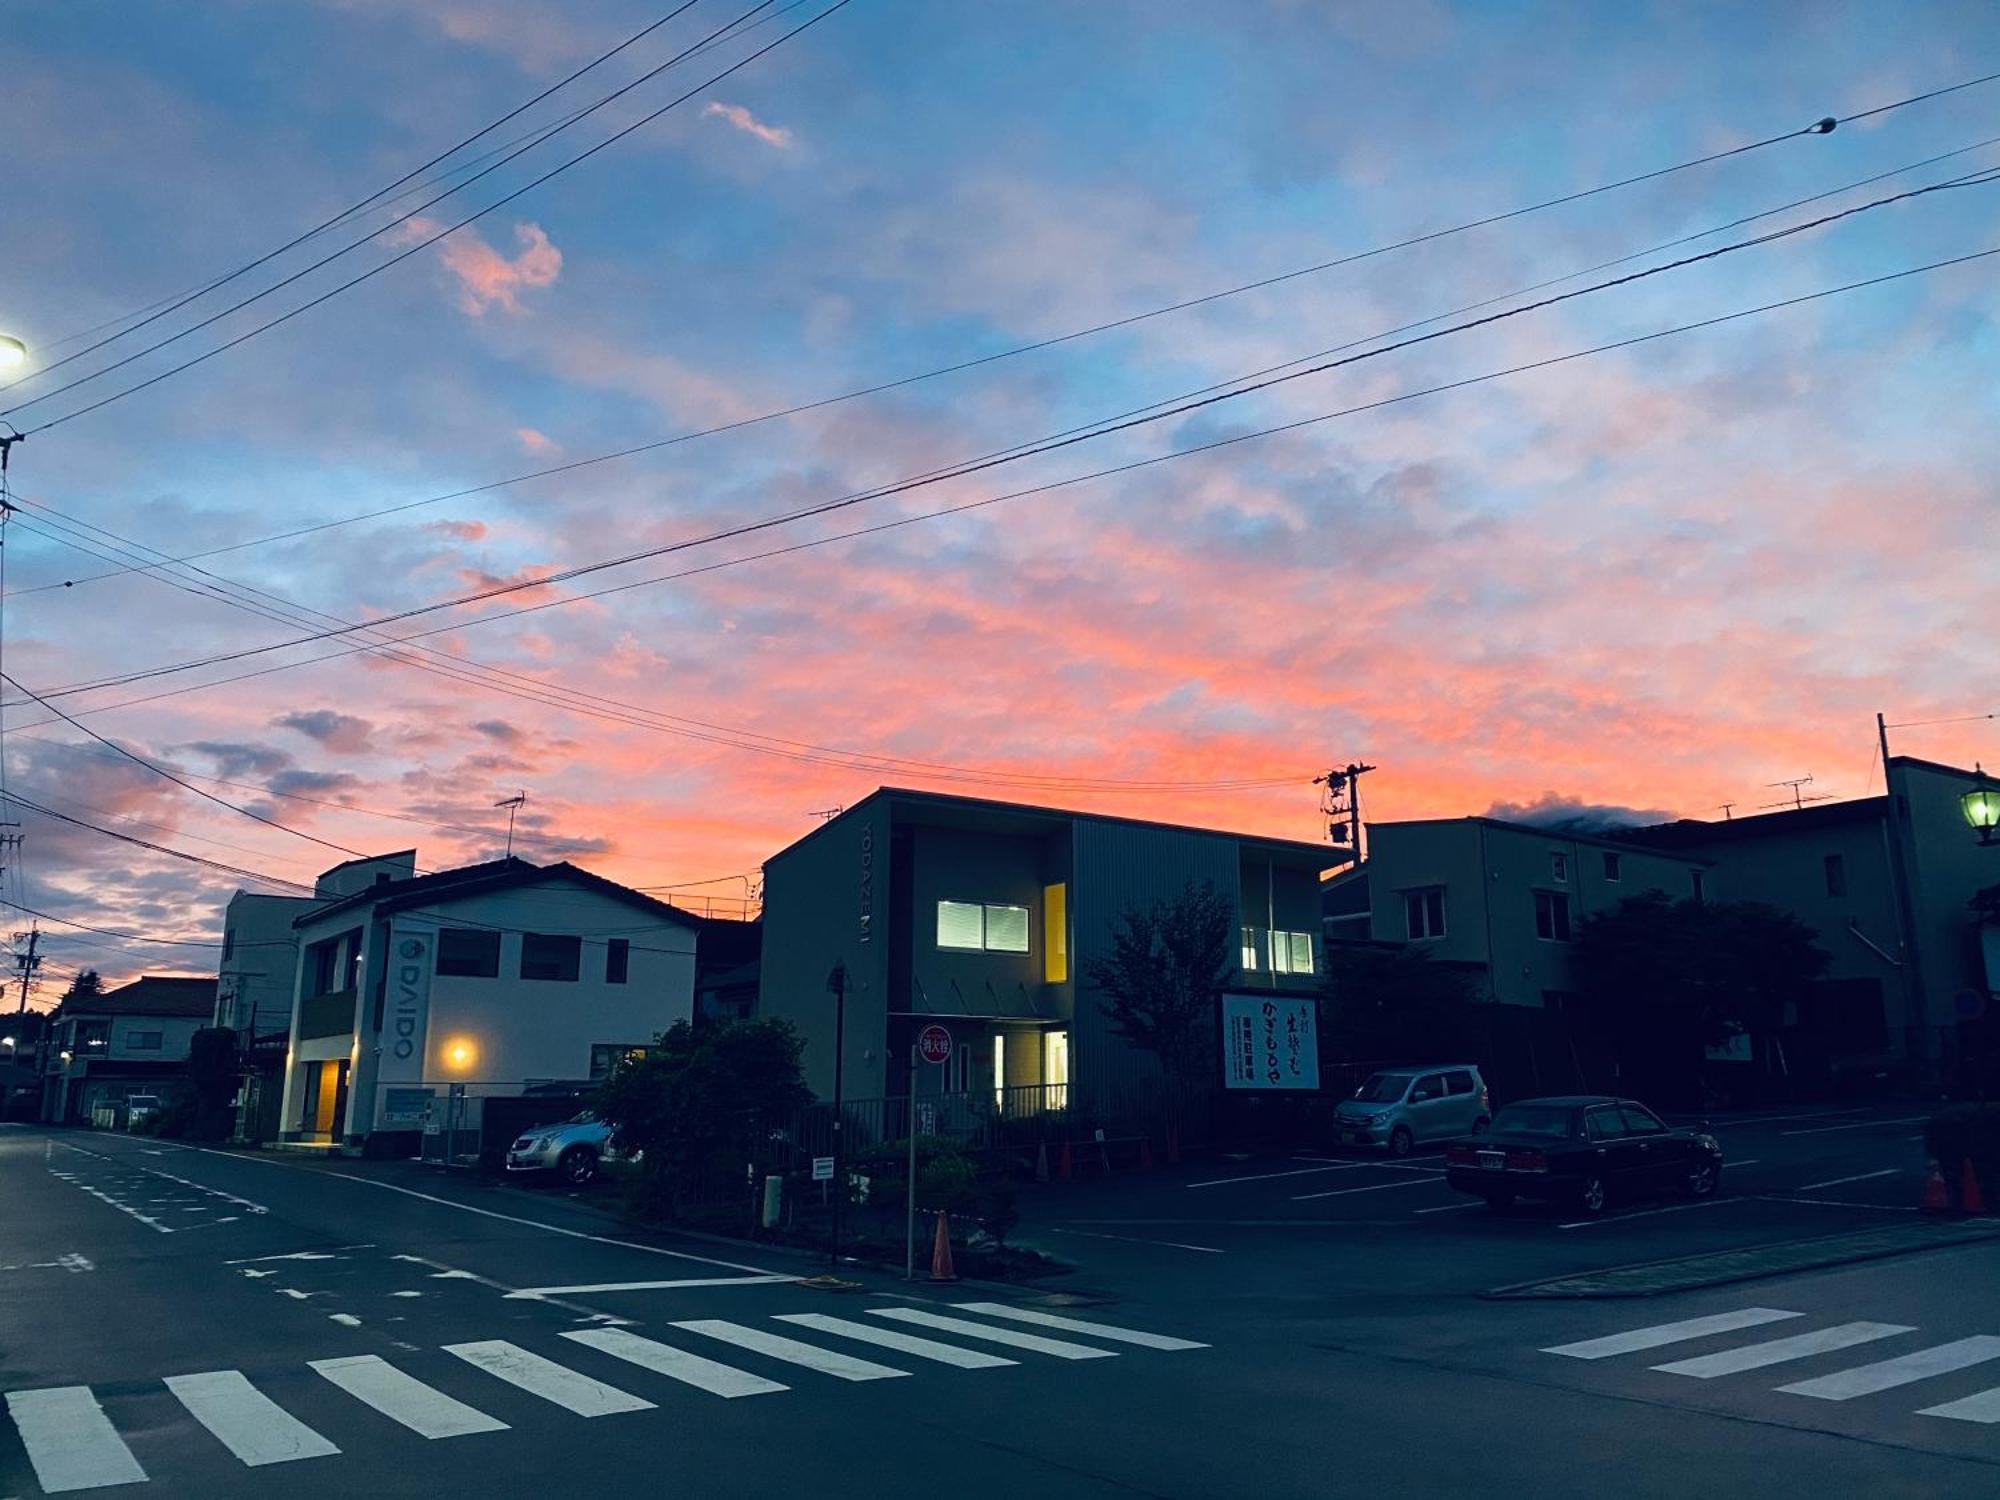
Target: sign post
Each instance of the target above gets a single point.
(933, 1045)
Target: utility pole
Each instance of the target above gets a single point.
(1893, 819)
(1342, 807)
(836, 981)
(28, 963)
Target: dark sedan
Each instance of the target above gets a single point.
(1584, 1150)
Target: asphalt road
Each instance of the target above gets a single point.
(357, 1329)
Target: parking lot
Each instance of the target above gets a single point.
(1788, 1174)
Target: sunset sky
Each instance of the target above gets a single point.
(1660, 578)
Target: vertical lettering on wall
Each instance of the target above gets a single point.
(867, 883)
(406, 980)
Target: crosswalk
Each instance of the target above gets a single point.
(73, 1444)
(1872, 1377)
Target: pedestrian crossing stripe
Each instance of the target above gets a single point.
(1867, 1379)
(72, 1444)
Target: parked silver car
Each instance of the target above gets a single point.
(573, 1149)
(1399, 1107)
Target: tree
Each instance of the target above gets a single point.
(700, 1097)
(1392, 1004)
(204, 1110)
(1167, 964)
(87, 985)
(1660, 979)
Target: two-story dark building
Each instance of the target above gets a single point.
(983, 917)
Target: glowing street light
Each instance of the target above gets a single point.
(1981, 806)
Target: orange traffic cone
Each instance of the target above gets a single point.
(1937, 1198)
(1970, 1200)
(941, 1253)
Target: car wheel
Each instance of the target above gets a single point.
(1499, 1202)
(577, 1165)
(1590, 1195)
(1703, 1177)
(1401, 1142)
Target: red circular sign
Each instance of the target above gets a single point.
(934, 1044)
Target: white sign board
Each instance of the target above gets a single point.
(406, 1001)
(1270, 1042)
(822, 1169)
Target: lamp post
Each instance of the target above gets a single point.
(1981, 806)
(836, 981)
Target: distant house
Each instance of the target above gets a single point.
(725, 986)
(479, 983)
(131, 1040)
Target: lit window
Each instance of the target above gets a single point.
(1423, 913)
(1552, 916)
(605, 1057)
(1291, 952)
(1006, 929)
(1055, 933)
(1055, 1068)
(1000, 1069)
(1252, 961)
(975, 927)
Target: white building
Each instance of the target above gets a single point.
(131, 1040)
(497, 977)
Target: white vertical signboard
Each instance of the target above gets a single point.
(1270, 1042)
(406, 1001)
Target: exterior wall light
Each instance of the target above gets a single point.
(1981, 806)
(460, 1054)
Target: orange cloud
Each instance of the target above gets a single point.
(487, 279)
(749, 124)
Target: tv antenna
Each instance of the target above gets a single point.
(827, 814)
(513, 804)
(1796, 786)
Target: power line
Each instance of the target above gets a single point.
(397, 259)
(174, 305)
(1111, 471)
(126, 838)
(165, 774)
(800, 408)
(580, 570)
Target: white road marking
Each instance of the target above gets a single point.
(1133, 1239)
(258, 1260)
(485, 1213)
(1865, 1380)
(246, 1421)
(1449, 1208)
(777, 1346)
(346, 1319)
(1111, 1331)
(1880, 1208)
(295, 1294)
(542, 1293)
(1346, 1166)
(373, 1381)
(70, 1441)
(443, 1272)
(1859, 1125)
(1008, 1336)
(902, 1343)
(1635, 1339)
(675, 1364)
(1373, 1187)
(1813, 1187)
(1752, 1124)
(1777, 1351)
(1652, 1213)
(406, 1294)
(1983, 1408)
(118, 1203)
(547, 1379)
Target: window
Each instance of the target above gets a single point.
(1552, 916)
(606, 1056)
(1000, 1069)
(958, 1071)
(1291, 952)
(1699, 887)
(332, 965)
(1640, 1121)
(1458, 1083)
(1252, 960)
(142, 1041)
(548, 955)
(1055, 1068)
(974, 927)
(1836, 874)
(1602, 1125)
(1055, 933)
(1559, 868)
(468, 953)
(1423, 913)
(1430, 1086)
(618, 961)
(1611, 870)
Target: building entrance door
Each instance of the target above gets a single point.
(326, 1092)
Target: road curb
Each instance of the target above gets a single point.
(1754, 1263)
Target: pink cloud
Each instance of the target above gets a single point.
(749, 124)
(536, 441)
(486, 278)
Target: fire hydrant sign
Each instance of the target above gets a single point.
(1270, 1042)
(934, 1044)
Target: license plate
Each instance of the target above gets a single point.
(1493, 1161)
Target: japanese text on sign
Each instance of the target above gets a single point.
(1270, 1042)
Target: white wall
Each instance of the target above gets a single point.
(175, 1034)
(260, 961)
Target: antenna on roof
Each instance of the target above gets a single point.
(1797, 786)
(1726, 810)
(827, 814)
(513, 805)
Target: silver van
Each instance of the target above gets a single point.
(1399, 1107)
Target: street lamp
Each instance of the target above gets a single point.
(12, 352)
(1981, 806)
